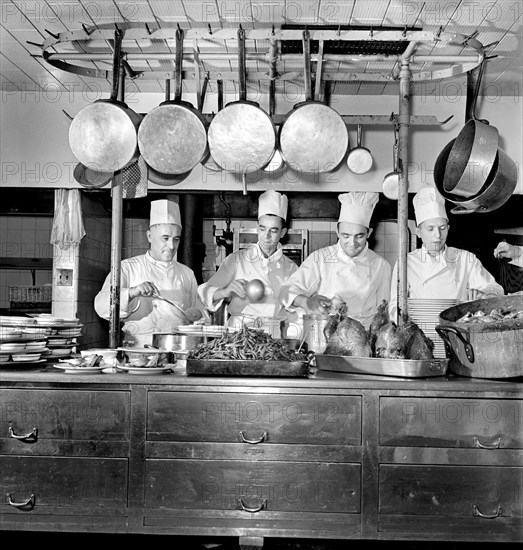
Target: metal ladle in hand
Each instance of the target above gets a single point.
(191, 315)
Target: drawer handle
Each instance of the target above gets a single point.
(477, 513)
(30, 503)
(31, 437)
(259, 508)
(479, 445)
(263, 438)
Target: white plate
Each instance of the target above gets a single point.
(71, 369)
(12, 348)
(145, 370)
(20, 363)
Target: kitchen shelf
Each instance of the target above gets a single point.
(26, 263)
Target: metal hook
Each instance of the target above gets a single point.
(210, 29)
(371, 32)
(440, 30)
(148, 29)
(57, 36)
(34, 44)
(404, 33)
(272, 32)
(86, 30)
(338, 31)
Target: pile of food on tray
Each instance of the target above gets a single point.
(247, 343)
(495, 316)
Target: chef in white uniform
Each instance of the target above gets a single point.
(155, 272)
(264, 261)
(347, 270)
(436, 270)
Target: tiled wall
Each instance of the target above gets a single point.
(24, 237)
(321, 233)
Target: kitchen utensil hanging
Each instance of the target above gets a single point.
(313, 137)
(359, 160)
(209, 163)
(103, 135)
(391, 181)
(173, 136)
(91, 178)
(135, 180)
(242, 136)
(474, 151)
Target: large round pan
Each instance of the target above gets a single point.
(242, 136)
(498, 188)
(173, 136)
(92, 179)
(313, 138)
(473, 153)
(103, 135)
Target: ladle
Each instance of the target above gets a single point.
(191, 315)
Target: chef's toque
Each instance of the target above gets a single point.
(165, 211)
(272, 202)
(428, 204)
(357, 207)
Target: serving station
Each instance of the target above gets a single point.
(331, 456)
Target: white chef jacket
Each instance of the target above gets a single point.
(362, 282)
(144, 315)
(451, 274)
(250, 263)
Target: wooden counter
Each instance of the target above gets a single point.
(333, 457)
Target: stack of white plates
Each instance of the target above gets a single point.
(425, 313)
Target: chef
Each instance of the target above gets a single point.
(436, 270)
(347, 271)
(264, 261)
(154, 273)
(513, 252)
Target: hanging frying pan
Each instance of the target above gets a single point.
(91, 178)
(391, 182)
(173, 136)
(242, 136)
(313, 137)
(474, 150)
(359, 159)
(167, 180)
(103, 135)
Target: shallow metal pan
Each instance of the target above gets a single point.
(403, 368)
(231, 367)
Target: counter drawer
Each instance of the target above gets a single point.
(483, 492)
(440, 422)
(275, 418)
(64, 422)
(253, 487)
(62, 482)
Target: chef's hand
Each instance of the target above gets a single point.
(237, 288)
(505, 250)
(313, 304)
(143, 289)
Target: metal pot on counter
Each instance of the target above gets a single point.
(181, 341)
(483, 350)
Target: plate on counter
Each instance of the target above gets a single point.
(146, 370)
(12, 364)
(73, 369)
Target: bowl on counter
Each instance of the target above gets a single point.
(181, 341)
(141, 357)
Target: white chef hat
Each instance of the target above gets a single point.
(165, 211)
(357, 207)
(272, 202)
(428, 204)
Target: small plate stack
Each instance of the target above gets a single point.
(425, 313)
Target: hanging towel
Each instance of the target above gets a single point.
(68, 226)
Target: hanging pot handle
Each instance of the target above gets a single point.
(178, 65)
(117, 54)
(306, 42)
(241, 64)
(463, 336)
(395, 150)
(472, 94)
(359, 136)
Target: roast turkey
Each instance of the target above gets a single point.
(349, 339)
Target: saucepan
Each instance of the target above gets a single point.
(474, 150)
(173, 136)
(313, 138)
(181, 341)
(242, 136)
(391, 182)
(103, 135)
(359, 160)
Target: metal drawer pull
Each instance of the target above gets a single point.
(262, 506)
(31, 437)
(30, 503)
(254, 441)
(495, 445)
(477, 513)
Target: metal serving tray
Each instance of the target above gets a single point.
(232, 367)
(403, 368)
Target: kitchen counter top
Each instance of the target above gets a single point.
(25, 376)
